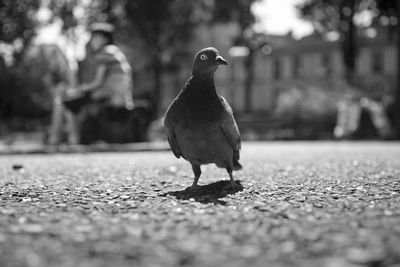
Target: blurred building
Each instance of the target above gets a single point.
(297, 83)
(287, 62)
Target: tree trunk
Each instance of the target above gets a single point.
(157, 74)
(349, 43)
(249, 64)
(396, 121)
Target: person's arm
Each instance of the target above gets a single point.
(97, 81)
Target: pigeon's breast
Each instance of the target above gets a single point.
(204, 143)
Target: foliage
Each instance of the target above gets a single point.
(162, 29)
(49, 63)
(343, 17)
(20, 93)
(387, 9)
(18, 23)
(165, 29)
(310, 99)
(236, 10)
(22, 99)
(339, 16)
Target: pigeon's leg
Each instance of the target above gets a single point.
(232, 184)
(197, 172)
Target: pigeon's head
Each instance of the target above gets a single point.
(207, 61)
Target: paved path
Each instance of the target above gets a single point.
(302, 204)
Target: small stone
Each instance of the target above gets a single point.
(365, 257)
(388, 213)
(318, 205)
(84, 228)
(32, 228)
(7, 211)
(17, 167)
(172, 169)
(288, 247)
(301, 199)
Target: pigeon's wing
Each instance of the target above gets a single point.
(171, 136)
(173, 143)
(230, 128)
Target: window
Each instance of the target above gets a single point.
(377, 61)
(277, 69)
(296, 66)
(326, 64)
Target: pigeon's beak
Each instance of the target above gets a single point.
(221, 61)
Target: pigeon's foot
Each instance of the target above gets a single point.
(193, 188)
(233, 186)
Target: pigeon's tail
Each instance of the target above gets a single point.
(236, 165)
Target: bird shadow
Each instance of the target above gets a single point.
(211, 193)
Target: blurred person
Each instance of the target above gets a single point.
(106, 97)
(362, 118)
(48, 61)
(389, 105)
(348, 117)
(378, 116)
(62, 120)
(112, 81)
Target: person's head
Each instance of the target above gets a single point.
(102, 34)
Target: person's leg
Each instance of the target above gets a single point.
(56, 122)
(72, 125)
(89, 130)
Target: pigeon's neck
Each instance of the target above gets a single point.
(199, 97)
(203, 83)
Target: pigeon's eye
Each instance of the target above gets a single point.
(203, 57)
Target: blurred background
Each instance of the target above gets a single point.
(298, 69)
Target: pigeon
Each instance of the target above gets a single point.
(199, 123)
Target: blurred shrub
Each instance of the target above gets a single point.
(312, 105)
(24, 101)
(26, 87)
(307, 101)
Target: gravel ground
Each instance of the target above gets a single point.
(302, 204)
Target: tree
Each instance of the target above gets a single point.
(240, 11)
(336, 16)
(18, 24)
(331, 15)
(19, 92)
(390, 9)
(165, 28)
